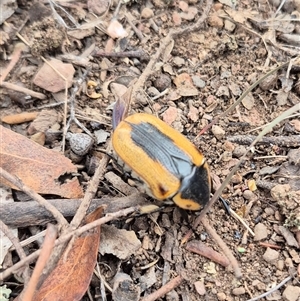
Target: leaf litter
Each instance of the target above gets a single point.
(237, 43)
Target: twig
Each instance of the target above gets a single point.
(200, 248)
(91, 191)
(237, 217)
(16, 243)
(141, 54)
(164, 289)
(275, 288)
(14, 240)
(280, 7)
(14, 59)
(260, 127)
(24, 214)
(135, 29)
(18, 183)
(210, 230)
(45, 253)
(289, 141)
(64, 238)
(268, 245)
(23, 90)
(72, 117)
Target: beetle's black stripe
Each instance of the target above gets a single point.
(159, 147)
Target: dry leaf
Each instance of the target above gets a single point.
(72, 275)
(119, 242)
(38, 167)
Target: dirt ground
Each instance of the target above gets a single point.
(194, 76)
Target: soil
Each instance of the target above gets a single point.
(204, 72)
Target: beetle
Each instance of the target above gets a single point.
(170, 166)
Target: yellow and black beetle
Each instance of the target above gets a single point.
(167, 162)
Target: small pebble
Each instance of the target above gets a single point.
(226, 156)
(147, 13)
(239, 151)
(183, 6)
(178, 61)
(218, 132)
(228, 146)
(289, 263)
(101, 136)
(221, 296)
(248, 195)
(269, 211)
(198, 82)
(236, 179)
(229, 26)
(270, 255)
(200, 288)
(280, 264)
(260, 231)
(291, 293)
(80, 143)
(162, 82)
(215, 21)
(152, 91)
(238, 291)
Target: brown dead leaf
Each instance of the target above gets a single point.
(119, 242)
(72, 275)
(38, 167)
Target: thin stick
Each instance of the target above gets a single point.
(23, 90)
(14, 240)
(275, 288)
(237, 217)
(210, 230)
(164, 289)
(14, 59)
(121, 54)
(293, 140)
(67, 236)
(16, 243)
(48, 245)
(18, 183)
(91, 191)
